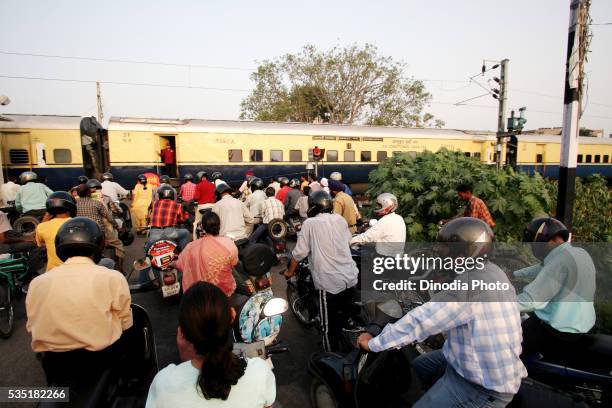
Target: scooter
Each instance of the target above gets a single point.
(125, 384)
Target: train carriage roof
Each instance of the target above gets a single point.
(16, 121)
(286, 128)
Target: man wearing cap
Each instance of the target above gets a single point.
(343, 204)
(244, 189)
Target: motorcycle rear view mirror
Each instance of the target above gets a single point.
(389, 310)
(275, 306)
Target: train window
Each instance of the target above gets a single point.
(606, 158)
(234, 155)
(476, 155)
(579, 158)
(412, 153)
(597, 158)
(276, 155)
(19, 156)
(349, 155)
(295, 155)
(62, 156)
(467, 154)
(397, 153)
(331, 155)
(589, 158)
(366, 156)
(381, 156)
(539, 158)
(256, 155)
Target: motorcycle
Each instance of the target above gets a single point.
(156, 269)
(125, 384)
(26, 224)
(123, 218)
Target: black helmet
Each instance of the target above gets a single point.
(256, 184)
(61, 202)
(319, 202)
(216, 175)
(93, 183)
(542, 230)
(82, 179)
(201, 175)
(294, 183)
(188, 177)
(79, 236)
(142, 178)
(470, 237)
(164, 179)
(107, 176)
(283, 181)
(221, 189)
(165, 193)
(126, 237)
(27, 176)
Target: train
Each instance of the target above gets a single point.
(58, 149)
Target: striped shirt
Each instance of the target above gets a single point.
(94, 209)
(271, 209)
(478, 209)
(188, 191)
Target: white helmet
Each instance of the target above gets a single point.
(386, 203)
(336, 175)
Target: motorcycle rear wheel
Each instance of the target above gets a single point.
(26, 225)
(298, 306)
(7, 311)
(321, 396)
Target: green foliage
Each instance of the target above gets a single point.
(343, 85)
(426, 189)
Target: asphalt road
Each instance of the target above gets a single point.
(19, 366)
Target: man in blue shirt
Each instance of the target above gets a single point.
(31, 197)
(562, 293)
(479, 365)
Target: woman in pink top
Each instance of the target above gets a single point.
(210, 258)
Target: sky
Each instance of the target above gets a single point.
(443, 42)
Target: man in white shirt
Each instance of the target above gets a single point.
(233, 214)
(9, 191)
(111, 189)
(389, 233)
(254, 202)
(244, 189)
(216, 178)
(275, 184)
(271, 209)
(324, 238)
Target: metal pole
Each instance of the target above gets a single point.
(571, 111)
(501, 114)
(99, 103)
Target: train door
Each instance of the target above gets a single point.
(540, 158)
(166, 163)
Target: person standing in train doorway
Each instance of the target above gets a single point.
(168, 156)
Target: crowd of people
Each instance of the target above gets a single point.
(78, 309)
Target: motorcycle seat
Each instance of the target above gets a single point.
(91, 394)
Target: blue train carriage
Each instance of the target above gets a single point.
(273, 149)
(48, 145)
(541, 153)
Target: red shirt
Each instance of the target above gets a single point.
(205, 192)
(167, 155)
(166, 213)
(282, 194)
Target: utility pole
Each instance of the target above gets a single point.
(99, 100)
(571, 110)
(501, 114)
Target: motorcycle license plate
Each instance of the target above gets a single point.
(171, 290)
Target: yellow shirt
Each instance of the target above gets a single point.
(45, 236)
(77, 305)
(345, 206)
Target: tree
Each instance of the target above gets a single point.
(351, 85)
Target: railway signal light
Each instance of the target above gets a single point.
(318, 153)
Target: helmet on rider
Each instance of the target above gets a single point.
(386, 203)
(222, 189)
(201, 175)
(216, 175)
(336, 175)
(142, 179)
(188, 177)
(82, 179)
(465, 236)
(256, 184)
(542, 230)
(164, 179)
(27, 176)
(61, 202)
(166, 193)
(79, 236)
(107, 176)
(319, 202)
(283, 181)
(94, 183)
(294, 183)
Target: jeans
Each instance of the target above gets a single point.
(449, 389)
(261, 232)
(178, 235)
